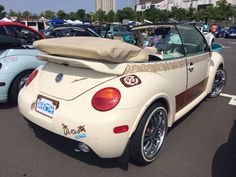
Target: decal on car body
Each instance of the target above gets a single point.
(164, 66)
(79, 132)
(130, 80)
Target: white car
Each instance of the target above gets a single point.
(112, 97)
(210, 38)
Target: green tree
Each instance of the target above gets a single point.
(2, 11)
(224, 10)
(191, 13)
(100, 15)
(153, 15)
(81, 14)
(48, 14)
(140, 16)
(26, 14)
(12, 13)
(179, 14)
(165, 15)
(125, 13)
(61, 14)
(72, 16)
(111, 16)
(88, 17)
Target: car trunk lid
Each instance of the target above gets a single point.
(68, 82)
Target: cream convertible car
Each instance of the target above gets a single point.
(112, 97)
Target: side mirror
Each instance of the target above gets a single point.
(216, 47)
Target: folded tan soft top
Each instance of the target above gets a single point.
(92, 48)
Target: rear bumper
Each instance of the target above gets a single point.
(82, 123)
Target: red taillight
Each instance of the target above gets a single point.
(121, 129)
(106, 99)
(31, 77)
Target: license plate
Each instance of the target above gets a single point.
(46, 106)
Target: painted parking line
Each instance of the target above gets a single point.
(232, 43)
(232, 100)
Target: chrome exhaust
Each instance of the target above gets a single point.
(82, 147)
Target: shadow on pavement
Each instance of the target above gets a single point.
(7, 105)
(67, 147)
(224, 161)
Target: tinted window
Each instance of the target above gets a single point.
(193, 40)
(26, 36)
(31, 23)
(71, 31)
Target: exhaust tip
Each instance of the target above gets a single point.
(82, 147)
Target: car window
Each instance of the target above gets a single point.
(165, 39)
(115, 28)
(71, 31)
(25, 35)
(193, 41)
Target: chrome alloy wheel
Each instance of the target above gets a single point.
(219, 83)
(22, 81)
(154, 133)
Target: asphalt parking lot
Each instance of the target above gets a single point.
(202, 144)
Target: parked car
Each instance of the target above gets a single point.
(231, 32)
(25, 34)
(17, 58)
(110, 98)
(210, 38)
(220, 32)
(66, 30)
(117, 31)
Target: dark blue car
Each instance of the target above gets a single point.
(231, 32)
(220, 32)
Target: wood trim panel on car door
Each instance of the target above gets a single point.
(189, 95)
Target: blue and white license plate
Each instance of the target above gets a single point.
(46, 106)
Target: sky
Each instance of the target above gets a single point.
(38, 6)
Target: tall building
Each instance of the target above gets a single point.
(133, 4)
(106, 5)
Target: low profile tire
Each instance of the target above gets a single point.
(219, 83)
(150, 135)
(17, 84)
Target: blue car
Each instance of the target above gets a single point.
(220, 32)
(231, 32)
(17, 61)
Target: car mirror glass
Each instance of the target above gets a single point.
(216, 47)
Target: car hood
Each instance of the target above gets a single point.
(68, 82)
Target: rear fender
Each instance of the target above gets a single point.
(152, 86)
(216, 61)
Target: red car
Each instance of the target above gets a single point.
(25, 34)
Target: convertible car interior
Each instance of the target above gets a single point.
(166, 41)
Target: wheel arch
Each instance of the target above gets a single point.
(168, 104)
(11, 84)
(217, 61)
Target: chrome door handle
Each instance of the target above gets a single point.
(191, 67)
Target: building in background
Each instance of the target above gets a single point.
(106, 5)
(169, 4)
(133, 4)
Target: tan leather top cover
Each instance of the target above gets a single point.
(92, 48)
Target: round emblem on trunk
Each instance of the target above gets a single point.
(59, 77)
